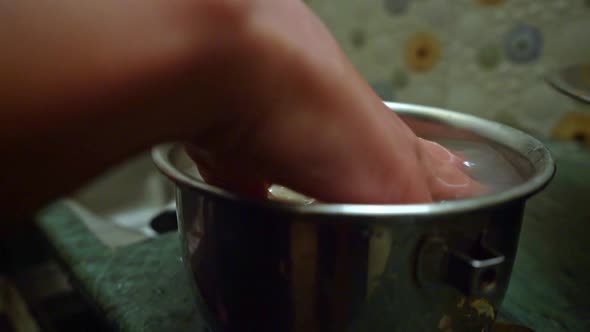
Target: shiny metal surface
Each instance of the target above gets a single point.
(573, 81)
(271, 266)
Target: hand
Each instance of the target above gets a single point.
(299, 114)
(260, 88)
(446, 170)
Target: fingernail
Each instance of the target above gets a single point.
(450, 176)
(452, 184)
(442, 151)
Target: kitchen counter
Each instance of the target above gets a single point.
(143, 287)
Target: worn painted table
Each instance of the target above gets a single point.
(143, 287)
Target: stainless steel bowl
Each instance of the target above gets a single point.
(270, 266)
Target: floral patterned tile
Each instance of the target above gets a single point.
(485, 57)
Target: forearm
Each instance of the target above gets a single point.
(84, 86)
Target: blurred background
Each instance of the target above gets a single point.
(484, 57)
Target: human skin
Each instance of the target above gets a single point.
(255, 87)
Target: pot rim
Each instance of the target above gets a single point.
(529, 147)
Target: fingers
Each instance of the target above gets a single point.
(228, 175)
(316, 126)
(442, 154)
(447, 173)
(447, 179)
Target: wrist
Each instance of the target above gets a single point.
(196, 84)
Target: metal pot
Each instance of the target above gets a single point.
(270, 266)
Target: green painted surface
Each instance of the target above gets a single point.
(143, 287)
(550, 286)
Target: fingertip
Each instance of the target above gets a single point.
(227, 175)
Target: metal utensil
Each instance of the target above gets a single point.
(573, 81)
(272, 266)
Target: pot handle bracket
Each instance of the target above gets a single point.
(474, 271)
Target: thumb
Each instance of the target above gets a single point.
(227, 174)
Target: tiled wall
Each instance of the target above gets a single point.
(485, 57)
